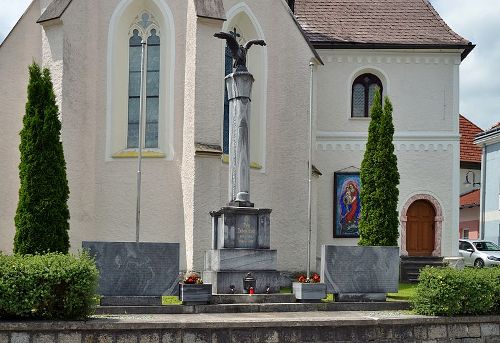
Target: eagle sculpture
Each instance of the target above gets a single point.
(238, 52)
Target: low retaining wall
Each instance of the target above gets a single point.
(272, 327)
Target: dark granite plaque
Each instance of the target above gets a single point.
(246, 231)
(136, 269)
(357, 269)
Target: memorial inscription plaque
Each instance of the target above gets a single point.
(246, 232)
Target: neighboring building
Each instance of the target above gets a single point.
(91, 46)
(490, 185)
(470, 179)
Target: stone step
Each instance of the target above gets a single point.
(252, 308)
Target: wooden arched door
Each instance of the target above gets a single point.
(420, 230)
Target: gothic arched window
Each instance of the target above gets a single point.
(144, 29)
(363, 91)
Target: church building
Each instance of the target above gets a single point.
(338, 51)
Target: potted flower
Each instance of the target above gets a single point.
(309, 289)
(192, 290)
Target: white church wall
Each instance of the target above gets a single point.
(21, 47)
(423, 87)
(103, 189)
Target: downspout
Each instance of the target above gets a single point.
(483, 195)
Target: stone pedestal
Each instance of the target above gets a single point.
(241, 245)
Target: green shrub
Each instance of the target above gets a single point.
(52, 286)
(451, 292)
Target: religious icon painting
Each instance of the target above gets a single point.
(347, 204)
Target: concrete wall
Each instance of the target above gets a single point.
(299, 327)
(423, 87)
(492, 193)
(20, 48)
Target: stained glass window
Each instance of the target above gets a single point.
(144, 29)
(363, 92)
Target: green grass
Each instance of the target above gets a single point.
(170, 300)
(406, 291)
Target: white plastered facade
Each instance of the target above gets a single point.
(181, 187)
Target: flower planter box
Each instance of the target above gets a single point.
(360, 273)
(194, 294)
(309, 292)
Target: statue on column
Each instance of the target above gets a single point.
(239, 52)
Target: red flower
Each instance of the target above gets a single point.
(301, 278)
(315, 278)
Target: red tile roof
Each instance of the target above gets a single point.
(407, 22)
(469, 152)
(470, 199)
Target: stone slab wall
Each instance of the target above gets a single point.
(417, 330)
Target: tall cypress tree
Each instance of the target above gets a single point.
(42, 212)
(368, 174)
(379, 180)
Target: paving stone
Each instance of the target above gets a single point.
(242, 336)
(70, 338)
(458, 331)
(196, 336)
(489, 329)
(309, 334)
(493, 339)
(267, 336)
(20, 337)
(472, 340)
(88, 338)
(291, 335)
(44, 338)
(402, 332)
(437, 331)
(126, 338)
(105, 338)
(173, 336)
(474, 330)
(149, 338)
(221, 336)
(344, 333)
(4, 338)
(429, 341)
(420, 332)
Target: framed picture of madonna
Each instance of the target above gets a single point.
(346, 204)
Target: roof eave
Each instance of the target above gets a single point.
(467, 48)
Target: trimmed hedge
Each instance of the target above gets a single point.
(52, 286)
(452, 292)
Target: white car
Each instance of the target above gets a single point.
(479, 253)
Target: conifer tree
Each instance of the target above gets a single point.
(368, 174)
(379, 180)
(42, 212)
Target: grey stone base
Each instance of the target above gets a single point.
(253, 299)
(222, 280)
(194, 294)
(360, 269)
(360, 297)
(309, 292)
(241, 259)
(135, 269)
(130, 301)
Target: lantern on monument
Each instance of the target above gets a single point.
(249, 283)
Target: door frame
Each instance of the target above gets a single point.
(438, 222)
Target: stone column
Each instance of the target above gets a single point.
(239, 89)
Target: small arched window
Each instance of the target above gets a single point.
(145, 28)
(363, 92)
